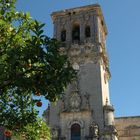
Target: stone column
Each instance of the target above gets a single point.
(109, 115)
(95, 28)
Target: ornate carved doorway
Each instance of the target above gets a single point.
(75, 132)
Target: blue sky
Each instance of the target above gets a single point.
(123, 44)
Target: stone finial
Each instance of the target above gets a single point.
(106, 101)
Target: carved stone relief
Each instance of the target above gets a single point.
(94, 130)
(83, 53)
(75, 101)
(55, 133)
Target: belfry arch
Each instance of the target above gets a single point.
(76, 32)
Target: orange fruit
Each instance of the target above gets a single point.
(39, 104)
(8, 133)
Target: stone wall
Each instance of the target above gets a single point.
(128, 128)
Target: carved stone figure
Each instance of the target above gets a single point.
(94, 130)
(55, 133)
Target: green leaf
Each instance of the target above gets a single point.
(30, 62)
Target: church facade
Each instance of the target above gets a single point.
(84, 112)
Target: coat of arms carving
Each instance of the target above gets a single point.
(75, 101)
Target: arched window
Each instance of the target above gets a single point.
(87, 31)
(63, 35)
(76, 32)
(75, 132)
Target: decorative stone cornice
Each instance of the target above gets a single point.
(78, 10)
(70, 113)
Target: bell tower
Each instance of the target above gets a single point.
(85, 111)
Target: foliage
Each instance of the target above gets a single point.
(30, 65)
(34, 131)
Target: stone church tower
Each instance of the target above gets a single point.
(85, 111)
